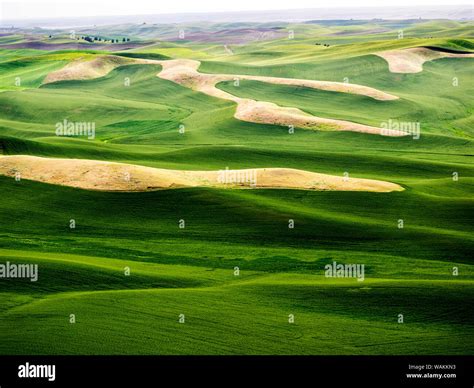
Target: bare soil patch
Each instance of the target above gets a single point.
(411, 60)
(111, 176)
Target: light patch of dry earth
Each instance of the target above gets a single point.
(85, 68)
(185, 72)
(411, 60)
(111, 176)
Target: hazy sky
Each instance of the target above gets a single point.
(64, 8)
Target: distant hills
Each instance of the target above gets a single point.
(453, 12)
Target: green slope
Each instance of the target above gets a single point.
(190, 271)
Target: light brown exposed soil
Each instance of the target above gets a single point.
(185, 72)
(411, 60)
(111, 176)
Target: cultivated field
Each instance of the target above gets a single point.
(219, 169)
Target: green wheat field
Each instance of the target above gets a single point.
(237, 279)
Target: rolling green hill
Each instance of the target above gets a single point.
(281, 270)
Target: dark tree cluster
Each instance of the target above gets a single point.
(93, 39)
